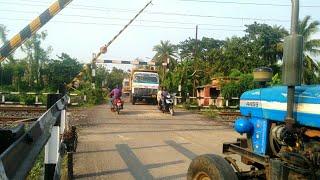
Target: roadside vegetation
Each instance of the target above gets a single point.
(193, 64)
(190, 63)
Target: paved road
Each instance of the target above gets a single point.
(143, 143)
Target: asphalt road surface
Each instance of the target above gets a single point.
(143, 143)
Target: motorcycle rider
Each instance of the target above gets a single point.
(115, 94)
(164, 95)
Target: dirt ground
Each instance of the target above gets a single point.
(142, 142)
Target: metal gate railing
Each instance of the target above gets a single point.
(19, 157)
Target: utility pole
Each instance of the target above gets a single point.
(93, 70)
(195, 60)
(196, 43)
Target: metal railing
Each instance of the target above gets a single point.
(47, 132)
(76, 99)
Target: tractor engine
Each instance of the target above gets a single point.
(263, 120)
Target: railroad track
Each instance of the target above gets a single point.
(22, 108)
(6, 119)
(226, 113)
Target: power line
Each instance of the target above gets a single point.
(211, 1)
(114, 24)
(219, 17)
(77, 7)
(141, 20)
(249, 3)
(204, 16)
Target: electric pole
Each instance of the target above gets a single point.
(195, 60)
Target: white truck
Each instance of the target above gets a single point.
(144, 86)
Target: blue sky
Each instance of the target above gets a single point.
(101, 19)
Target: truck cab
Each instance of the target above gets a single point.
(144, 86)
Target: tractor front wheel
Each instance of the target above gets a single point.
(210, 167)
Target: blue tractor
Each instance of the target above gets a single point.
(281, 124)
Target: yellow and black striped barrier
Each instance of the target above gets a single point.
(33, 27)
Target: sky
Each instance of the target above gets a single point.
(85, 25)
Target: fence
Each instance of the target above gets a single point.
(34, 98)
(20, 148)
(218, 102)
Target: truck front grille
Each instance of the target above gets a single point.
(145, 92)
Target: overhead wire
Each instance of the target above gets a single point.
(203, 16)
(141, 20)
(207, 1)
(136, 25)
(249, 3)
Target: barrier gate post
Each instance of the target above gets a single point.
(52, 147)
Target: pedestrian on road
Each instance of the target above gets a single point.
(159, 94)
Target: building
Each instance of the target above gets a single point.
(210, 94)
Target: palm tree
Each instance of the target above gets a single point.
(311, 47)
(165, 53)
(165, 50)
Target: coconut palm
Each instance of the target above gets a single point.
(307, 29)
(165, 53)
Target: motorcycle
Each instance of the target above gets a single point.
(168, 105)
(117, 105)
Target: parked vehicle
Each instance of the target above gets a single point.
(281, 123)
(167, 106)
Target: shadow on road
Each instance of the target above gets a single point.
(148, 166)
(155, 123)
(157, 131)
(143, 147)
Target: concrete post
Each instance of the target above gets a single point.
(51, 152)
(63, 121)
(3, 99)
(37, 99)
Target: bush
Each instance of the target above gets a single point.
(236, 88)
(12, 97)
(28, 99)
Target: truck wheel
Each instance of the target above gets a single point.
(210, 167)
(133, 101)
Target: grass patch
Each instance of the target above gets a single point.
(64, 168)
(212, 114)
(37, 170)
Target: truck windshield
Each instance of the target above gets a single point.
(145, 78)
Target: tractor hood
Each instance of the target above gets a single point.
(271, 103)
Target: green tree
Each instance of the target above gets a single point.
(201, 47)
(36, 57)
(115, 78)
(264, 41)
(61, 71)
(307, 29)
